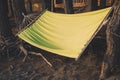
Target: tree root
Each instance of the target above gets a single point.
(39, 54)
(25, 52)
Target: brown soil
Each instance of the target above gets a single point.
(86, 68)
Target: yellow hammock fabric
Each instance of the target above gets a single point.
(63, 34)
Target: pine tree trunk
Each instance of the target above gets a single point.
(102, 4)
(18, 8)
(111, 58)
(89, 6)
(10, 11)
(68, 6)
(28, 6)
(112, 2)
(94, 4)
(4, 22)
(46, 5)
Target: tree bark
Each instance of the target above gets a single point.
(94, 4)
(28, 6)
(10, 11)
(111, 58)
(18, 8)
(102, 4)
(46, 4)
(4, 22)
(89, 6)
(68, 6)
(112, 2)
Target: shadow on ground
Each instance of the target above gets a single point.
(86, 68)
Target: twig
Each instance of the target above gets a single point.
(117, 35)
(39, 54)
(24, 51)
(34, 76)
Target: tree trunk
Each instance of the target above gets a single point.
(18, 8)
(94, 4)
(68, 6)
(10, 11)
(88, 7)
(102, 4)
(112, 2)
(46, 4)
(28, 6)
(4, 22)
(111, 58)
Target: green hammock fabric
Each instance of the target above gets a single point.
(64, 34)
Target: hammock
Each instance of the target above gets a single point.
(64, 34)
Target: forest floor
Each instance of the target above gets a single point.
(35, 68)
